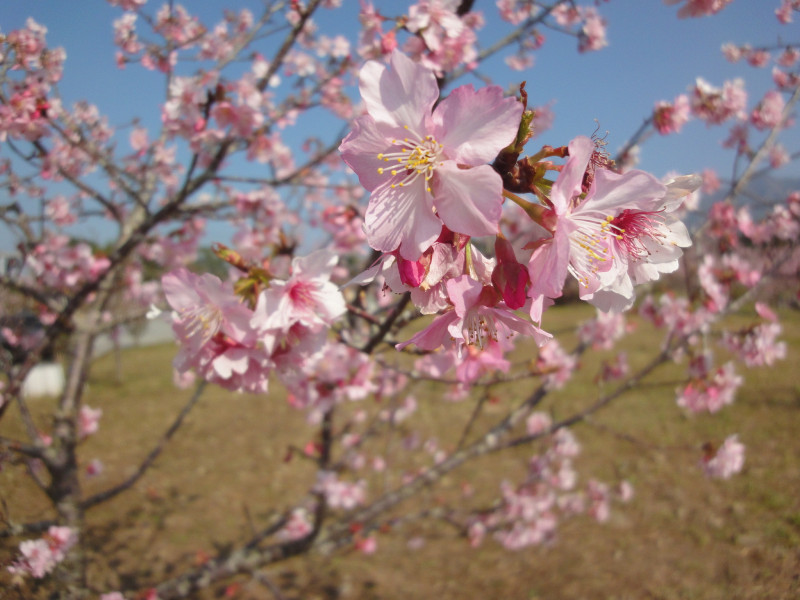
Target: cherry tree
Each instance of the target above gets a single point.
(421, 240)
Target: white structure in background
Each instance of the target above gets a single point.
(45, 379)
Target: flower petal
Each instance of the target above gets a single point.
(401, 97)
(475, 126)
(469, 201)
(464, 293)
(434, 335)
(548, 267)
(361, 147)
(402, 218)
(568, 184)
(612, 192)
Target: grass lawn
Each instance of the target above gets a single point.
(225, 471)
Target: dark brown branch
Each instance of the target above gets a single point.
(151, 457)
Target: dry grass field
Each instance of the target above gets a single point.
(683, 536)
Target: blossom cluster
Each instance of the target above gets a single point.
(237, 346)
(39, 557)
(529, 513)
(432, 190)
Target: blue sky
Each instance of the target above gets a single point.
(652, 55)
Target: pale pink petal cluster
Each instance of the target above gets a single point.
(757, 346)
(444, 39)
(785, 10)
(297, 526)
(529, 513)
(212, 326)
(592, 35)
(88, 420)
(671, 117)
(326, 375)
(711, 393)
(618, 233)
(555, 365)
(423, 167)
(699, 8)
(339, 493)
(57, 263)
(603, 331)
(715, 105)
(728, 460)
(39, 557)
(476, 317)
(308, 297)
(768, 113)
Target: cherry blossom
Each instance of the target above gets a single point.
(476, 318)
(39, 557)
(768, 113)
(715, 105)
(712, 393)
(618, 234)
(728, 460)
(307, 297)
(413, 161)
(89, 420)
(699, 8)
(340, 494)
(213, 328)
(556, 365)
(671, 117)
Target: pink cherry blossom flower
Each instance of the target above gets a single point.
(297, 526)
(732, 52)
(555, 365)
(599, 500)
(670, 118)
(88, 420)
(603, 331)
(470, 365)
(476, 318)
(712, 393)
(516, 11)
(331, 375)
(699, 8)
(615, 369)
(537, 423)
(784, 11)
(757, 346)
(715, 105)
(779, 156)
(367, 545)
(592, 35)
(646, 243)
(39, 557)
(434, 20)
(769, 112)
(789, 56)
(426, 169)
(213, 328)
(36, 559)
(338, 493)
(204, 307)
(711, 181)
(94, 468)
(758, 58)
(618, 234)
(728, 460)
(307, 297)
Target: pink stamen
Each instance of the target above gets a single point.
(631, 227)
